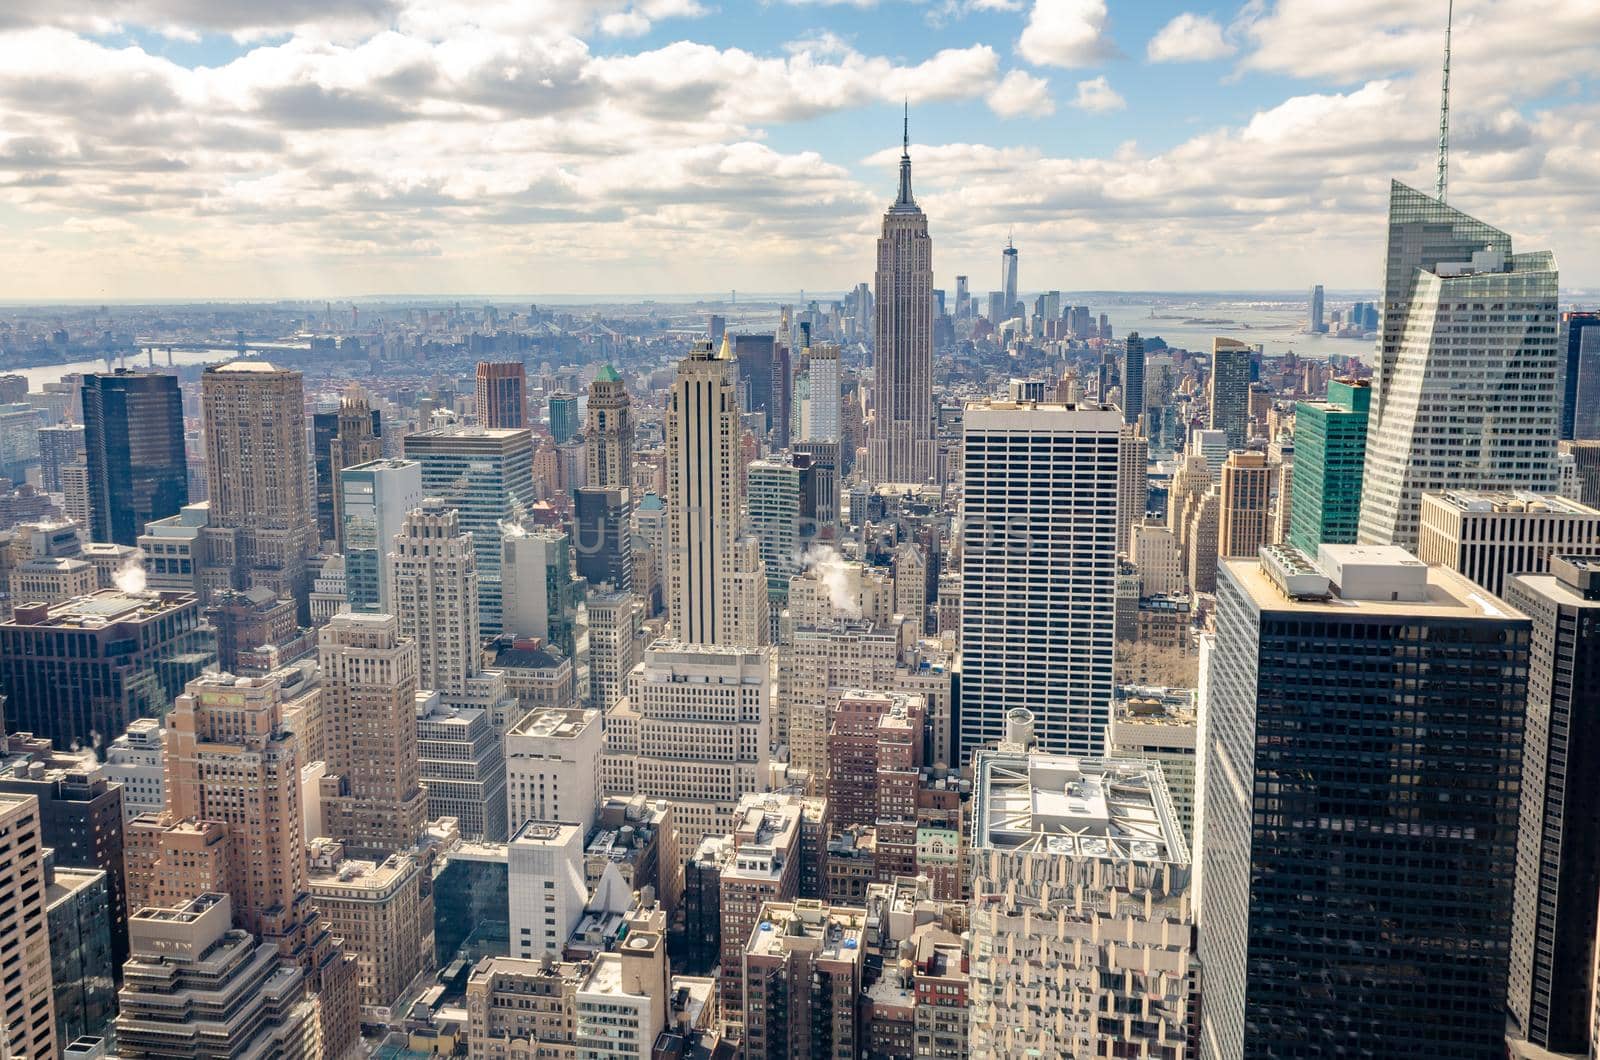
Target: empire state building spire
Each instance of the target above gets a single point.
(904, 200)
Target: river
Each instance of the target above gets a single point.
(39, 375)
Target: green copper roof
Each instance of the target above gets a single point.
(607, 374)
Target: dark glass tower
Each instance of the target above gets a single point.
(133, 441)
(603, 539)
(756, 355)
(1580, 394)
(1558, 859)
(1133, 380)
(1358, 808)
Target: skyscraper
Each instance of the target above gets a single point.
(435, 593)
(704, 472)
(758, 384)
(372, 801)
(349, 436)
(817, 392)
(1314, 321)
(1580, 396)
(900, 446)
(1330, 447)
(1230, 390)
(563, 417)
(1008, 278)
(775, 517)
(133, 444)
(1245, 504)
(1553, 924)
(609, 437)
(1364, 712)
(487, 476)
(376, 497)
(1461, 399)
(59, 446)
(78, 672)
(602, 522)
(255, 434)
(27, 1009)
(502, 395)
(1133, 379)
(1039, 570)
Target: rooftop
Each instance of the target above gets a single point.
(1441, 593)
(556, 723)
(835, 932)
(1510, 502)
(102, 608)
(1107, 808)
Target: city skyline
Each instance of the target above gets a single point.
(369, 146)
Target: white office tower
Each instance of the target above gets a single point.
(1039, 571)
(375, 498)
(544, 877)
(553, 767)
(1467, 390)
(817, 395)
(693, 730)
(616, 644)
(536, 570)
(900, 444)
(137, 760)
(1081, 913)
(435, 576)
(706, 571)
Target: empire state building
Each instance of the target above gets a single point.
(900, 446)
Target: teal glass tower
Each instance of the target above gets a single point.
(1330, 448)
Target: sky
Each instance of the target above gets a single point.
(164, 149)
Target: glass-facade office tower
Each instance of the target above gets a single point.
(1330, 451)
(900, 446)
(602, 519)
(487, 476)
(133, 445)
(563, 417)
(1466, 393)
(1133, 379)
(1358, 815)
(1314, 322)
(1558, 860)
(1580, 397)
(375, 498)
(1230, 390)
(1008, 278)
(1039, 571)
(756, 355)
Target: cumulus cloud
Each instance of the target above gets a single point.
(1065, 33)
(1188, 38)
(1097, 96)
(1020, 93)
(460, 145)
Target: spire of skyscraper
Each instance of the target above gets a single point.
(904, 199)
(1442, 179)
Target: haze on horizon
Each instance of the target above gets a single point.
(162, 150)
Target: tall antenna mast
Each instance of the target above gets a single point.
(1441, 182)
